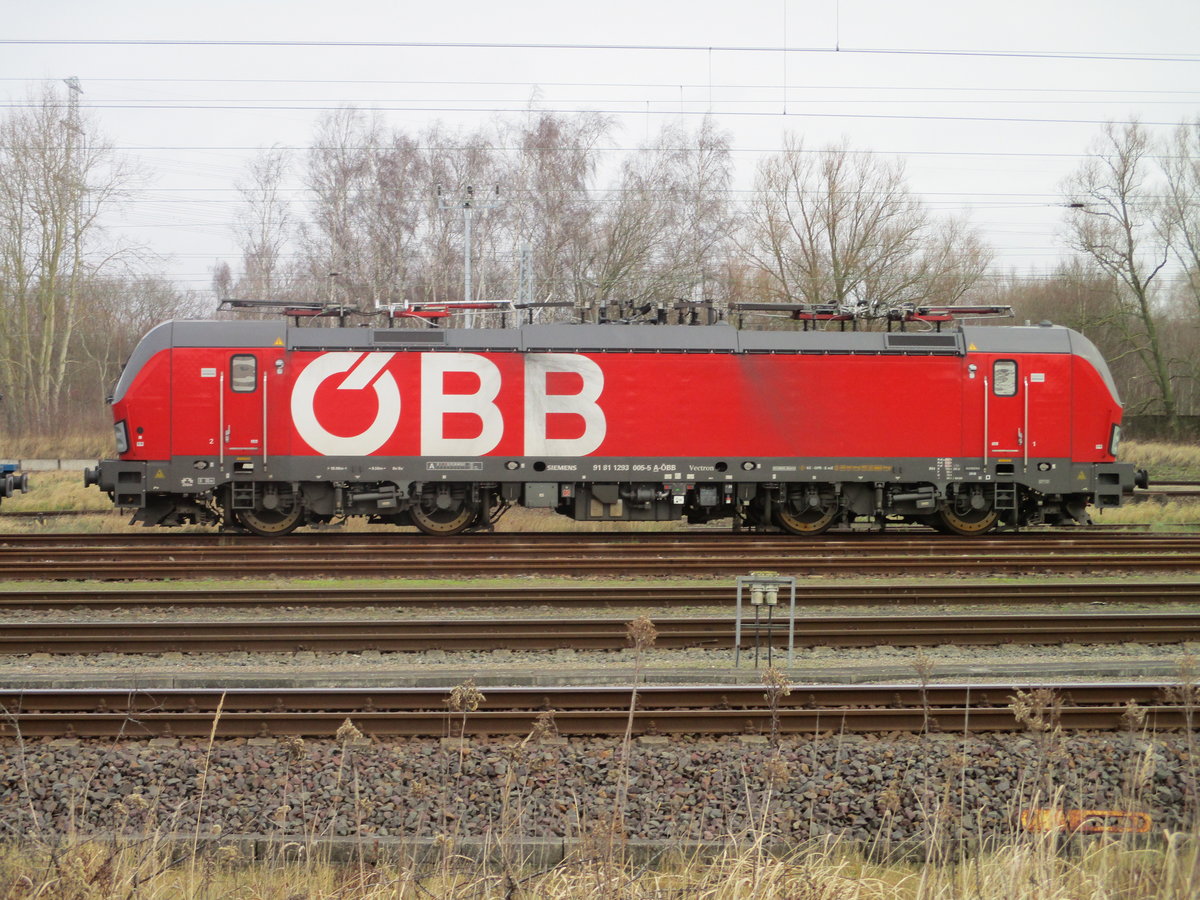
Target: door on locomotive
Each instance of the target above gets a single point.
(1027, 411)
(248, 404)
(1006, 409)
(1016, 414)
(243, 408)
(995, 429)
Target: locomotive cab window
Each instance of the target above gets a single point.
(1004, 377)
(243, 373)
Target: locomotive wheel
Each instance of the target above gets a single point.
(809, 522)
(975, 521)
(433, 520)
(271, 522)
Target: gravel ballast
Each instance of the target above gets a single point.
(890, 788)
(439, 667)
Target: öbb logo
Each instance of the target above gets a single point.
(368, 371)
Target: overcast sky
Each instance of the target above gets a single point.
(991, 105)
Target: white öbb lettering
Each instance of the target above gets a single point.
(367, 370)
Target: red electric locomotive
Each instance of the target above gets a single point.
(269, 426)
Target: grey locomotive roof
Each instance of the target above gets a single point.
(721, 338)
(645, 338)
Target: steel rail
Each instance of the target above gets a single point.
(575, 710)
(798, 561)
(572, 595)
(569, 549)
(344, 555)
(587, 634)
(874, 541)
(895, 529)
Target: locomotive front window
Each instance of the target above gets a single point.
(243, 373)
(1004, 377)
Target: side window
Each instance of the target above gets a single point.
(1004, 377)
(243, 373)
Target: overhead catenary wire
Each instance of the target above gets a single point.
(1137, 56)
(891, 100)
(632, 111)
(672, 85)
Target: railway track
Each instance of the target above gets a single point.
(612, 595)
(358, 555)
(586, 634)
(574, 710)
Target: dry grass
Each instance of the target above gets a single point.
(57, 491)
(1040, 868)
(67, 445)
(1166, 462)
(1168, 514)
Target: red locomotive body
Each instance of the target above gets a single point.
(271, 426)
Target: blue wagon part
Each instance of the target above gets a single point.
(11, 480)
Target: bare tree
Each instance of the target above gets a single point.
(122, 310)
(1111, 221)
(842, 228)
(391, 217)
(1180, 209)
(953, 263)
(58, 175)
(264, 225)
(1080, 296)
(656, 237)
(377, 220)
(699, 173)
(337, 175)
(222, 280)
(552, 213)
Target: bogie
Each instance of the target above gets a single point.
(969, 523)
(270, 522)
(808, 509)
(266, 509)
(444, 510)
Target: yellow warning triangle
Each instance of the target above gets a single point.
(972, 347)
(159, 474)
(278, 342)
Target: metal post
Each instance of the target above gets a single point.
(764, 591)
(757, 633)
(737, 625)
(468, 204)
(467, 210)
(792, 625)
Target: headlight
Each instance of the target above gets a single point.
(1114, 442)
(122, 435)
